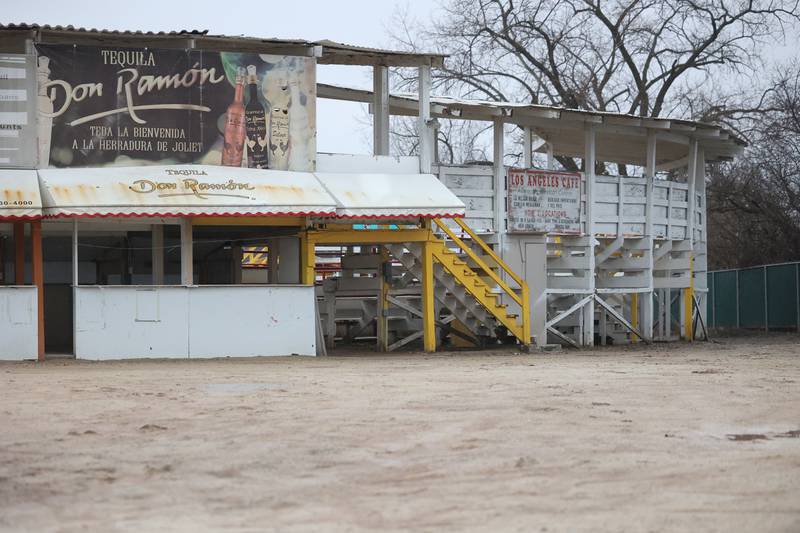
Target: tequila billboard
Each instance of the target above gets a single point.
(120, 106)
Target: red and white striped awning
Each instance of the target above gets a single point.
(391, 196)
(182, 190)
(19, 195)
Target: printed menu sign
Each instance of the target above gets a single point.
(103, 106)
(544, 201)
(17, 111)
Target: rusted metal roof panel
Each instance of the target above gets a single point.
(19, 195)
(182, 190)
(391, 196)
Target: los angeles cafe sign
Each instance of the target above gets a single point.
(544, 201)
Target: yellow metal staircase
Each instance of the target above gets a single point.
(469, 281)
(478, 286)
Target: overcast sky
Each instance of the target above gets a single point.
(360, 22)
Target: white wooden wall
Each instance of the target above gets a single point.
(18, 326)
(208, 321)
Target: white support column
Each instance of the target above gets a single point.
(157, 232)
(423, 122)
(646, 299)
(690, 190)
(75, 258)
(589, 164)
(499, 179)
(685, 306)
(551, 159)
(700, 247)
(187, 252)
(527, 154)
(380, 115)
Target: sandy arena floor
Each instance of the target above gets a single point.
(665, 438)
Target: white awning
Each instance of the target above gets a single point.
(391, 196)
(182, 190)
(19, 195)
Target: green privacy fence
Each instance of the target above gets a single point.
(765, 297)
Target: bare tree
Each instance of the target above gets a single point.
(754, 202)
(641, 57)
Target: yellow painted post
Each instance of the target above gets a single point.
(526, 313)
(428, 309)
(308, 259)
(688, 296)
(635, 315)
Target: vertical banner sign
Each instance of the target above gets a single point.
(17, 111)
(103, 106)
(544, 201)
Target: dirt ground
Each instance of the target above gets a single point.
(661, 438)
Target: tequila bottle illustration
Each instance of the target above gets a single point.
(45, 126)
(255, 123)
(235, 127)
(279, 127)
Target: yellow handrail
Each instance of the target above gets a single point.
(475, 257)
(489, 251)
(525, 303)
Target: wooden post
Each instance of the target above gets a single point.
(589, 164)
(37, 267)
(691, 200)
(499, 182)
(423, 128)
(308, 260)
(383, 301)
(380, 114)
(688, 296)
(19, 253)
(187, 252)
(157, 254)
(428, 307)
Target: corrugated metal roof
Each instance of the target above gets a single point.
(20, 198)
(22, 26)
(550, 121)
(390, 196)
(332, 52)
(181, 190)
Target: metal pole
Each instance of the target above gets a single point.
(766, 302)
(738, 319)
(74, 252)
(187, 252)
